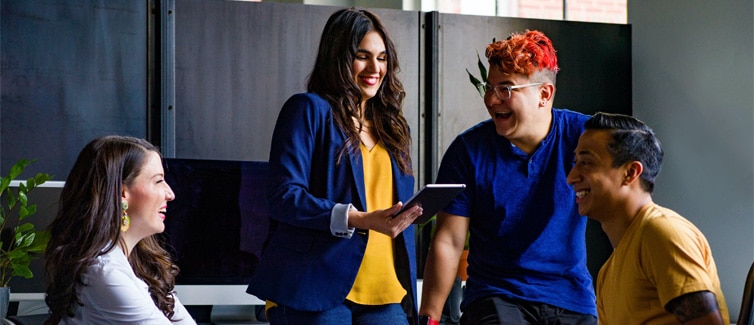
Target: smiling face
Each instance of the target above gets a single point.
(147, 197)
(369, 65)
(525, 117)
(598, 185)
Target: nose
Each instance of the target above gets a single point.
(169, 194)
(572, 177)
(373, 65)
(490, 99)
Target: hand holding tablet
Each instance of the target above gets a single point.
(432, 198)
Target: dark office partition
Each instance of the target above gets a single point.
(71, 71)
(237, 62)
(594, 60)
(595, 75)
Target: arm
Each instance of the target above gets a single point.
(304, 145)
(114, 294)
(696, 308)
(442, 262)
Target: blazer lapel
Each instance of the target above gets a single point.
(357, 168)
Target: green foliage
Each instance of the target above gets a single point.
(479, 83)
(20, 241)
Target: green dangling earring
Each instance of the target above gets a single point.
(125, 220)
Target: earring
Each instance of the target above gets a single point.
(125, 220)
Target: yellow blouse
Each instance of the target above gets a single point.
(377, 283)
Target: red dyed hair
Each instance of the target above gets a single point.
(524, 53)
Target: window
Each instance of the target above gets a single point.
(602, 11)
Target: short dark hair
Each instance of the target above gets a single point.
(632, 140)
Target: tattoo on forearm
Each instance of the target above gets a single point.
(693, 305)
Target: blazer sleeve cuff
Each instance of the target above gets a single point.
(339, 220)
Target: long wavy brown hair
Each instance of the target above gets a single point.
(88, 222)
(332, 78)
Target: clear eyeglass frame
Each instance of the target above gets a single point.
(504, 92)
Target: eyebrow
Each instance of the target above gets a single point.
(370, 52)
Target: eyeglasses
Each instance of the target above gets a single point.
(504, 91)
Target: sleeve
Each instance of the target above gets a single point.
(674, 257)
(299, 138)
(112, 293)
(454, 169)
(339, 221)
(181, 316)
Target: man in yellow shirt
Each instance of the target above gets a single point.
(661, 270)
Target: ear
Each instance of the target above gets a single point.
(124, 195)
(546, 94)
(632, 172)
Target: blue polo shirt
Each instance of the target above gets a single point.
(527, 239)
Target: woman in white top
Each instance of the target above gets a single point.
(104, 264)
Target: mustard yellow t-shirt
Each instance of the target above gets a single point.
(660, 257)
(377, 283)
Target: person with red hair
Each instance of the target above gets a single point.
(527, 250)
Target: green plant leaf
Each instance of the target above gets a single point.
(482, 68)
(18, 168)
(27, 243)
(479, 83)
(32, 209)
(23, 271)
(22, 195)
(25, 227)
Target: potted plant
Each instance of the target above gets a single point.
(20, 241)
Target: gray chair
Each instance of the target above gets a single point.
(745, 317)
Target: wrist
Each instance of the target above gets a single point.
(426, 320)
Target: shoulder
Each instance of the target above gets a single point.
(481, 129)
(307, 100)
(568, 123)
(664, 227)
(569, 118)
(477, 137)
(106, 267)
(308, 106)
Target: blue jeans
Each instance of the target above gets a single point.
(347, 313)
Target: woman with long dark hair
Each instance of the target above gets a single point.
(104, 264)
(340, 167)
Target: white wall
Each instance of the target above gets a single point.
(693, 82)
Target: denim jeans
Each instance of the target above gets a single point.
(347, 313)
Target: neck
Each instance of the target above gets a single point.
(530, 142)
(127, 243)
(620, 219)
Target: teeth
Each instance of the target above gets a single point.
(581, 194)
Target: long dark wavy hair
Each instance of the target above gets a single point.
(88, 224)
(332, 78)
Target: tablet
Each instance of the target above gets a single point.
(432, 198)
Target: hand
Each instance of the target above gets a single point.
(383, 221)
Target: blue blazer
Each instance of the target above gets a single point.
(303, 265)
